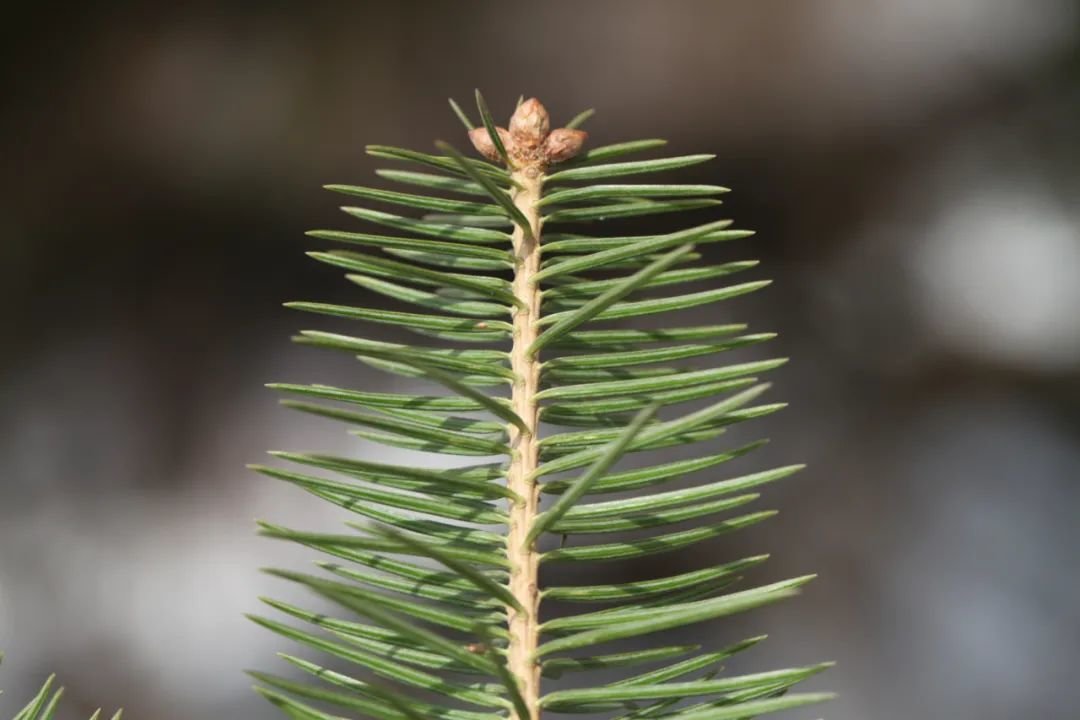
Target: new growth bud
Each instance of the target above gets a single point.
(530, 142)
(530, 124)
(563, 144)
(481, 140)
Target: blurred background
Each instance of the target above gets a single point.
(912, 169)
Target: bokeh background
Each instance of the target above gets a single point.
(912, 169)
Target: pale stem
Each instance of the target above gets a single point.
(524, 559)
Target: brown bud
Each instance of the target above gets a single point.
(530, 123)
(476, 648)
(481, 140)
(563, 144)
